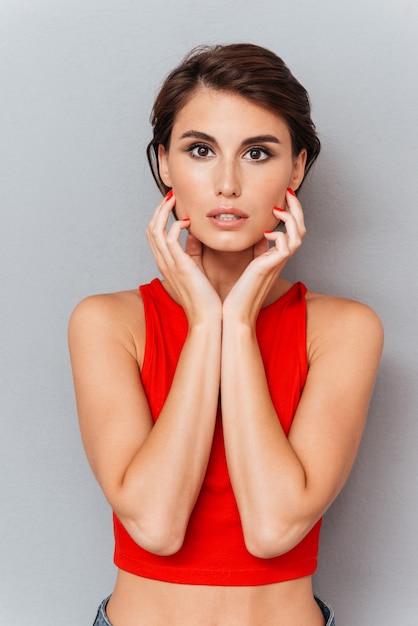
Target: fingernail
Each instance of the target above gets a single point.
(267, 232)
(185, 219)
(277, 208)
(169, 194)
(292, 193)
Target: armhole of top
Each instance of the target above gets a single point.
(148, 342)
(303, 338)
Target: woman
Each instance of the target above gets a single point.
(260, 387)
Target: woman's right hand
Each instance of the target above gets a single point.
(182, 269)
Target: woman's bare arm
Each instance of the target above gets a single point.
(284, 485)
(150, 474)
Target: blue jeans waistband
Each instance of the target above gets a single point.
(327, 611)
(101, 618)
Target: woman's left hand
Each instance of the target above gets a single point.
(246, 298)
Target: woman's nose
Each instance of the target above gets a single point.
(228, 179)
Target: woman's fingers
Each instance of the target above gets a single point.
(182, 269)
(159, 219)
(164, 243)
(288, 242)
(269, 261)
(281, 245)
(172, 240)
(295, 209)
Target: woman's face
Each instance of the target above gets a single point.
(229, 163)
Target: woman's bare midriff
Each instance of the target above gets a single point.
(139, 601)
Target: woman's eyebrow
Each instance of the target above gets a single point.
(197, 134)
(261, 139)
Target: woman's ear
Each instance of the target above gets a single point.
(163, 165)
(298, 169)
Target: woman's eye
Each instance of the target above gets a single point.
(257, 154)
(200, 151)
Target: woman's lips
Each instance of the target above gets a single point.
(227, 218)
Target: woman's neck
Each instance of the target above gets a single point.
(223, 269)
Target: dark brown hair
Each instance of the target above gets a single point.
(243, 69)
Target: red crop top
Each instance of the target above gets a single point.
(214, 552)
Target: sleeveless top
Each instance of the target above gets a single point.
(213, 552)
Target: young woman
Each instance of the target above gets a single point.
(221, 408)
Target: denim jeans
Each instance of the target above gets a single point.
(327, 612)
(101, 619)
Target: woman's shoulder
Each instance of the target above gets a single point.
(333, 308)
(120, 304)
(115, 316)
(335, 321)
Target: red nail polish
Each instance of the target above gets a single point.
(277, 208)
(266, 232)
(169, 194)
(292, 193)
(185, 219)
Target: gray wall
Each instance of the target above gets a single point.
(77, 82)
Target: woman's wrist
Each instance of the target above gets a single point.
(234, 320)
(200, 325)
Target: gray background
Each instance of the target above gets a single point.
(77, 83)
